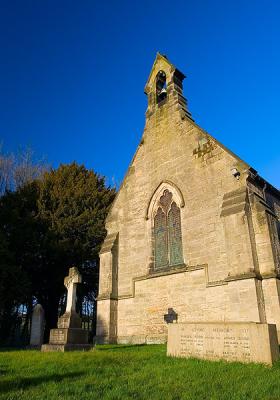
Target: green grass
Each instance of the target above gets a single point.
(131, 372)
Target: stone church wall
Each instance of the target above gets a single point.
(141, 318)
(173, 152)
(226, 237)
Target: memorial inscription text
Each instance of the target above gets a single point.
(231, 341)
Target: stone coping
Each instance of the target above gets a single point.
(187, 268)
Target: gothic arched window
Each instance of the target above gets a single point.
(168, 250)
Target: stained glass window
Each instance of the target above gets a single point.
(167, 233)
(160, 230)
(175, 235)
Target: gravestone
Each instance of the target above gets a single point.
(231, 341)
(69, 334)
(37, 326)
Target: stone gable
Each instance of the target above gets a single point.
(220, 276)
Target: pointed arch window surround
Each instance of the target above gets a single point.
(168, 250)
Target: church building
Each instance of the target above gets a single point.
(193, 233)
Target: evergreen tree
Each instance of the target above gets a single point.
(18, 239)
(73, 205)
(47, 226)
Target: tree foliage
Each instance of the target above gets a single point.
(17, 237)
(49, 225)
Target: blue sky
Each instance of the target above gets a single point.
(72, 75)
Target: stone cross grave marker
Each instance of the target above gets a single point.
(70, 282)
(69, 334)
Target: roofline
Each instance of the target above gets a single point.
(255, 177)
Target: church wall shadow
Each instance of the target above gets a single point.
(121, 346)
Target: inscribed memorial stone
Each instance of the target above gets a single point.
(231, 341)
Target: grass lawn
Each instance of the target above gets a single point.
(131, 372)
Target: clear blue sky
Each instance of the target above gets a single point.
(72, 75)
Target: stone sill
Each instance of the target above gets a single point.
(187, 268)
(165, 271)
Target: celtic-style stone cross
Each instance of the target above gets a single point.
(69, 334)
(70, 282)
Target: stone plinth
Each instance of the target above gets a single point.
(231, 341)
(69, 320)
(69, 335)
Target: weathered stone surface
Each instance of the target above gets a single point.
(231, 341)
(37, 326)
(69, 336)
(70, 282)
(230, 243)
(70, 319)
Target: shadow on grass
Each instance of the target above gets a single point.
(24, 383)
(3, 371)
(11, 349)
(119, 346)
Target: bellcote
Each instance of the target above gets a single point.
(164, 87)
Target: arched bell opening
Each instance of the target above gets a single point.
(161, 92)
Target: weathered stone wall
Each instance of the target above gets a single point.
(167, 155)
(141, 318)
(217, 229)
(170, 152)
